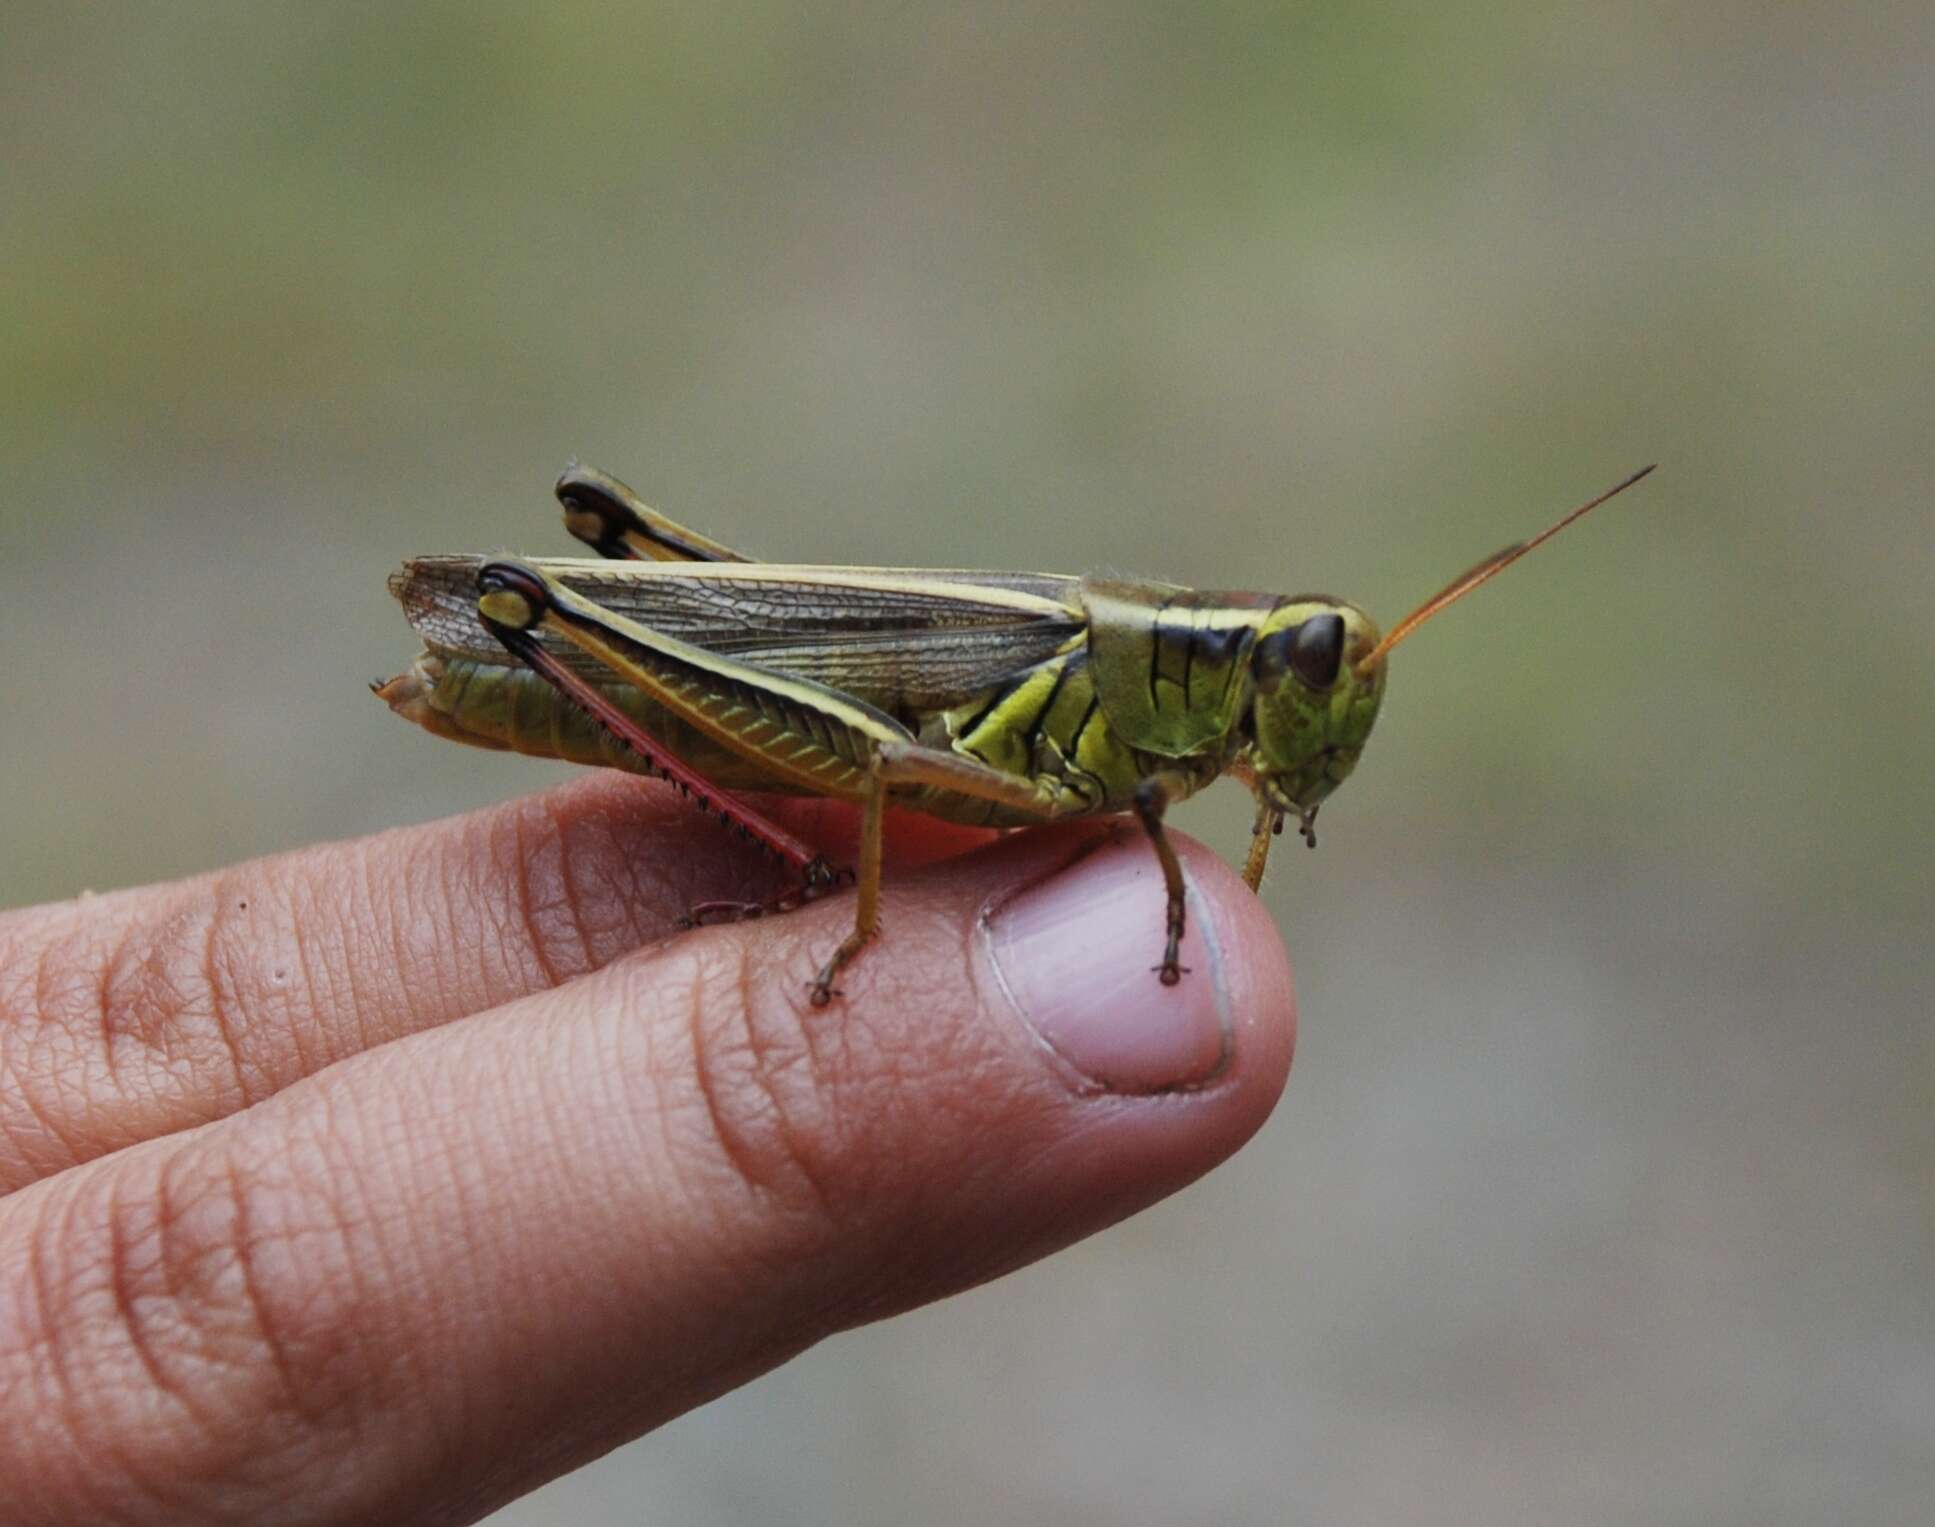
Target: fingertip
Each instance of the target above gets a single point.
(1025, 971)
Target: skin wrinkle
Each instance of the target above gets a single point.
(647, 882)
(353, 1221)
(283, 985)
(142, 989)
(569, 906)
(191, 1283)
(331, 978)
(175, 1005)
(377, 1260)
(773, 1061)
(526, 911)
(883, 1069)
(104, 994)
(163, 1006)
(224, 904)
(22, 1090)
(705, 1074)
(105, 1014)
(599, 913)
(649, 1101)
(709, 1185)
(368, 922)
(198, 1262)
(711, 1117)
(744, 1075)
(309, 1255)
(383, 923)
(551, 832)
(14, 1017)
(598, 869)
(524, 967)
(547, 867)
(90, 1437)
(121, 1283)
(470, 951)
(136, 967)
(49, 1336)
(511, 912)
(624, 874)
(15, 1078)
(252, 1291)
(858, 1076)
(304, 938)
(27, 1012)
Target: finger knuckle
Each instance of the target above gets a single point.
(572, 895)
(761, 1091)
(184, 1341)
(200, 996)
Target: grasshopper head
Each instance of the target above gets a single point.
(1318, 667)
(1316, 699)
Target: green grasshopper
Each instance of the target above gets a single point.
(995, 699)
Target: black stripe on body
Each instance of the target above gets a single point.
(995, 699)
(1219, 646)
(1032, 737)
(1075, 739)
(1155, 649)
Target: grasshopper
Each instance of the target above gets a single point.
(989, 698)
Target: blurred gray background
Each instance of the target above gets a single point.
(1604, 1189)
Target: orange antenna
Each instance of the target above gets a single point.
(1490, 568)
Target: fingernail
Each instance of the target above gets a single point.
(1075, 954)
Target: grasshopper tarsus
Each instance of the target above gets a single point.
(824, 991)
(821, 876)
(1169, 972)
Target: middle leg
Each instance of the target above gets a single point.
(1152, 799)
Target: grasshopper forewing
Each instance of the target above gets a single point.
(995, 699)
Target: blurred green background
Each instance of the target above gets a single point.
(1605, 1186)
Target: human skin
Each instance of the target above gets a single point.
(387, 1180)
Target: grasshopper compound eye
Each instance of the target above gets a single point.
(1317, 651)
(1312, 649)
